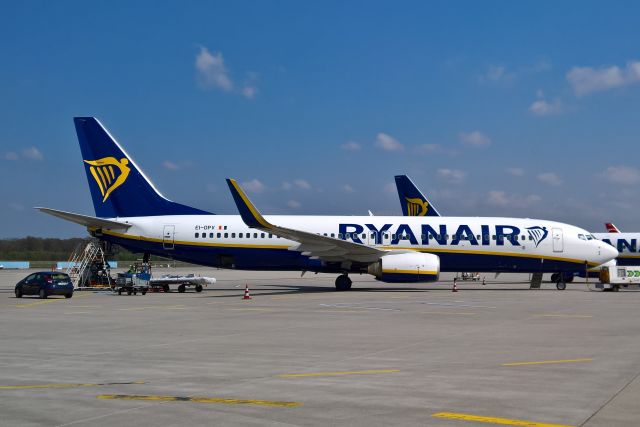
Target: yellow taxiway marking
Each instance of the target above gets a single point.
(580, 316)
(335, 374)
(23, 387)
(196, 399)
(547, 362)
(41, 302)
(494, 420)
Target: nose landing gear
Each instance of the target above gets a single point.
(343, 283)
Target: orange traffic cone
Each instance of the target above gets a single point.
(246, 292)
(455, 287)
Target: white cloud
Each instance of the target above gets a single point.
(211, 70)
(454, 176)
(255, 186)
(11, 155)
(388, 143)
(348, 189)
(515, 171)
(286, 186)
(474, 139)
(351, 146)
(585, 80)
(542, 107)
(249, 92)
(502, 199)
(390, 188)
(550, 178)
(32, 153)
(294, 204)
(302, 184)
(169, 165)
(624, 175)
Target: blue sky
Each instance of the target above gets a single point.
(526, 109)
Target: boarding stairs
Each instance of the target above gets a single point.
(81, 260)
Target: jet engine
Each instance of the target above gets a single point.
(406, 267)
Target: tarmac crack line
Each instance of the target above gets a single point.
(610, 400)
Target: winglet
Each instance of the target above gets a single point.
(249, 213)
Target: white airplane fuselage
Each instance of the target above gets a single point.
(461, 243)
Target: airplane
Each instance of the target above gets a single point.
(132, 213)
(625, 243)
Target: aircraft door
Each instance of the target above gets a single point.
(556, 235)
(167, 237)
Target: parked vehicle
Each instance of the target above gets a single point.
(45, 283)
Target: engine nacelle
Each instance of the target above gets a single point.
(406, 267)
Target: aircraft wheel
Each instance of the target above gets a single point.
(182, 288)
(343, 283)
(555, 277)
(198, 288)
(561, 285)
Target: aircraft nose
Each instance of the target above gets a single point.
(607, 252)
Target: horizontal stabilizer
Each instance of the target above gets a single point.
(87, 221)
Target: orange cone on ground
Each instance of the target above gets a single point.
(246, 292)
(455, 287)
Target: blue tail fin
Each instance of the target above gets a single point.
(118, 186)
(412, 201)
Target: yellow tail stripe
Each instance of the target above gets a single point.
(97, 178)
(494, 420)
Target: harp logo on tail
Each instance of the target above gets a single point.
(538, 234)
(109, 174)
(416, 206)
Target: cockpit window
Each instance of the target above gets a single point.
(590, 237)
(581, 237)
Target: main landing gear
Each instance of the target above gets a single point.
(343, 283)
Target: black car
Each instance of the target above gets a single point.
(45, 283)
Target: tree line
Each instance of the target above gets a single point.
(50, 249)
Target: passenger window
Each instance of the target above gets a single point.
(339, 235)
(262, 235)
(255, 235)
(211, 235)
(493, 237)
(386, 236)
(226, 235)
(233, 235)
(325, 234)
(393, 237)
(219, 235)
(240, 235)
(364, 236)
(197, 235)
(270, 235)
(478, 237)
(333, 235)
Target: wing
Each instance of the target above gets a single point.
(309, 244)
(87, 221)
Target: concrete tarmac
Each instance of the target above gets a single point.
(299, 353)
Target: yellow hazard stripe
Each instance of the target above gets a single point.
(196, 399)
(494, 420)
(434, 273)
